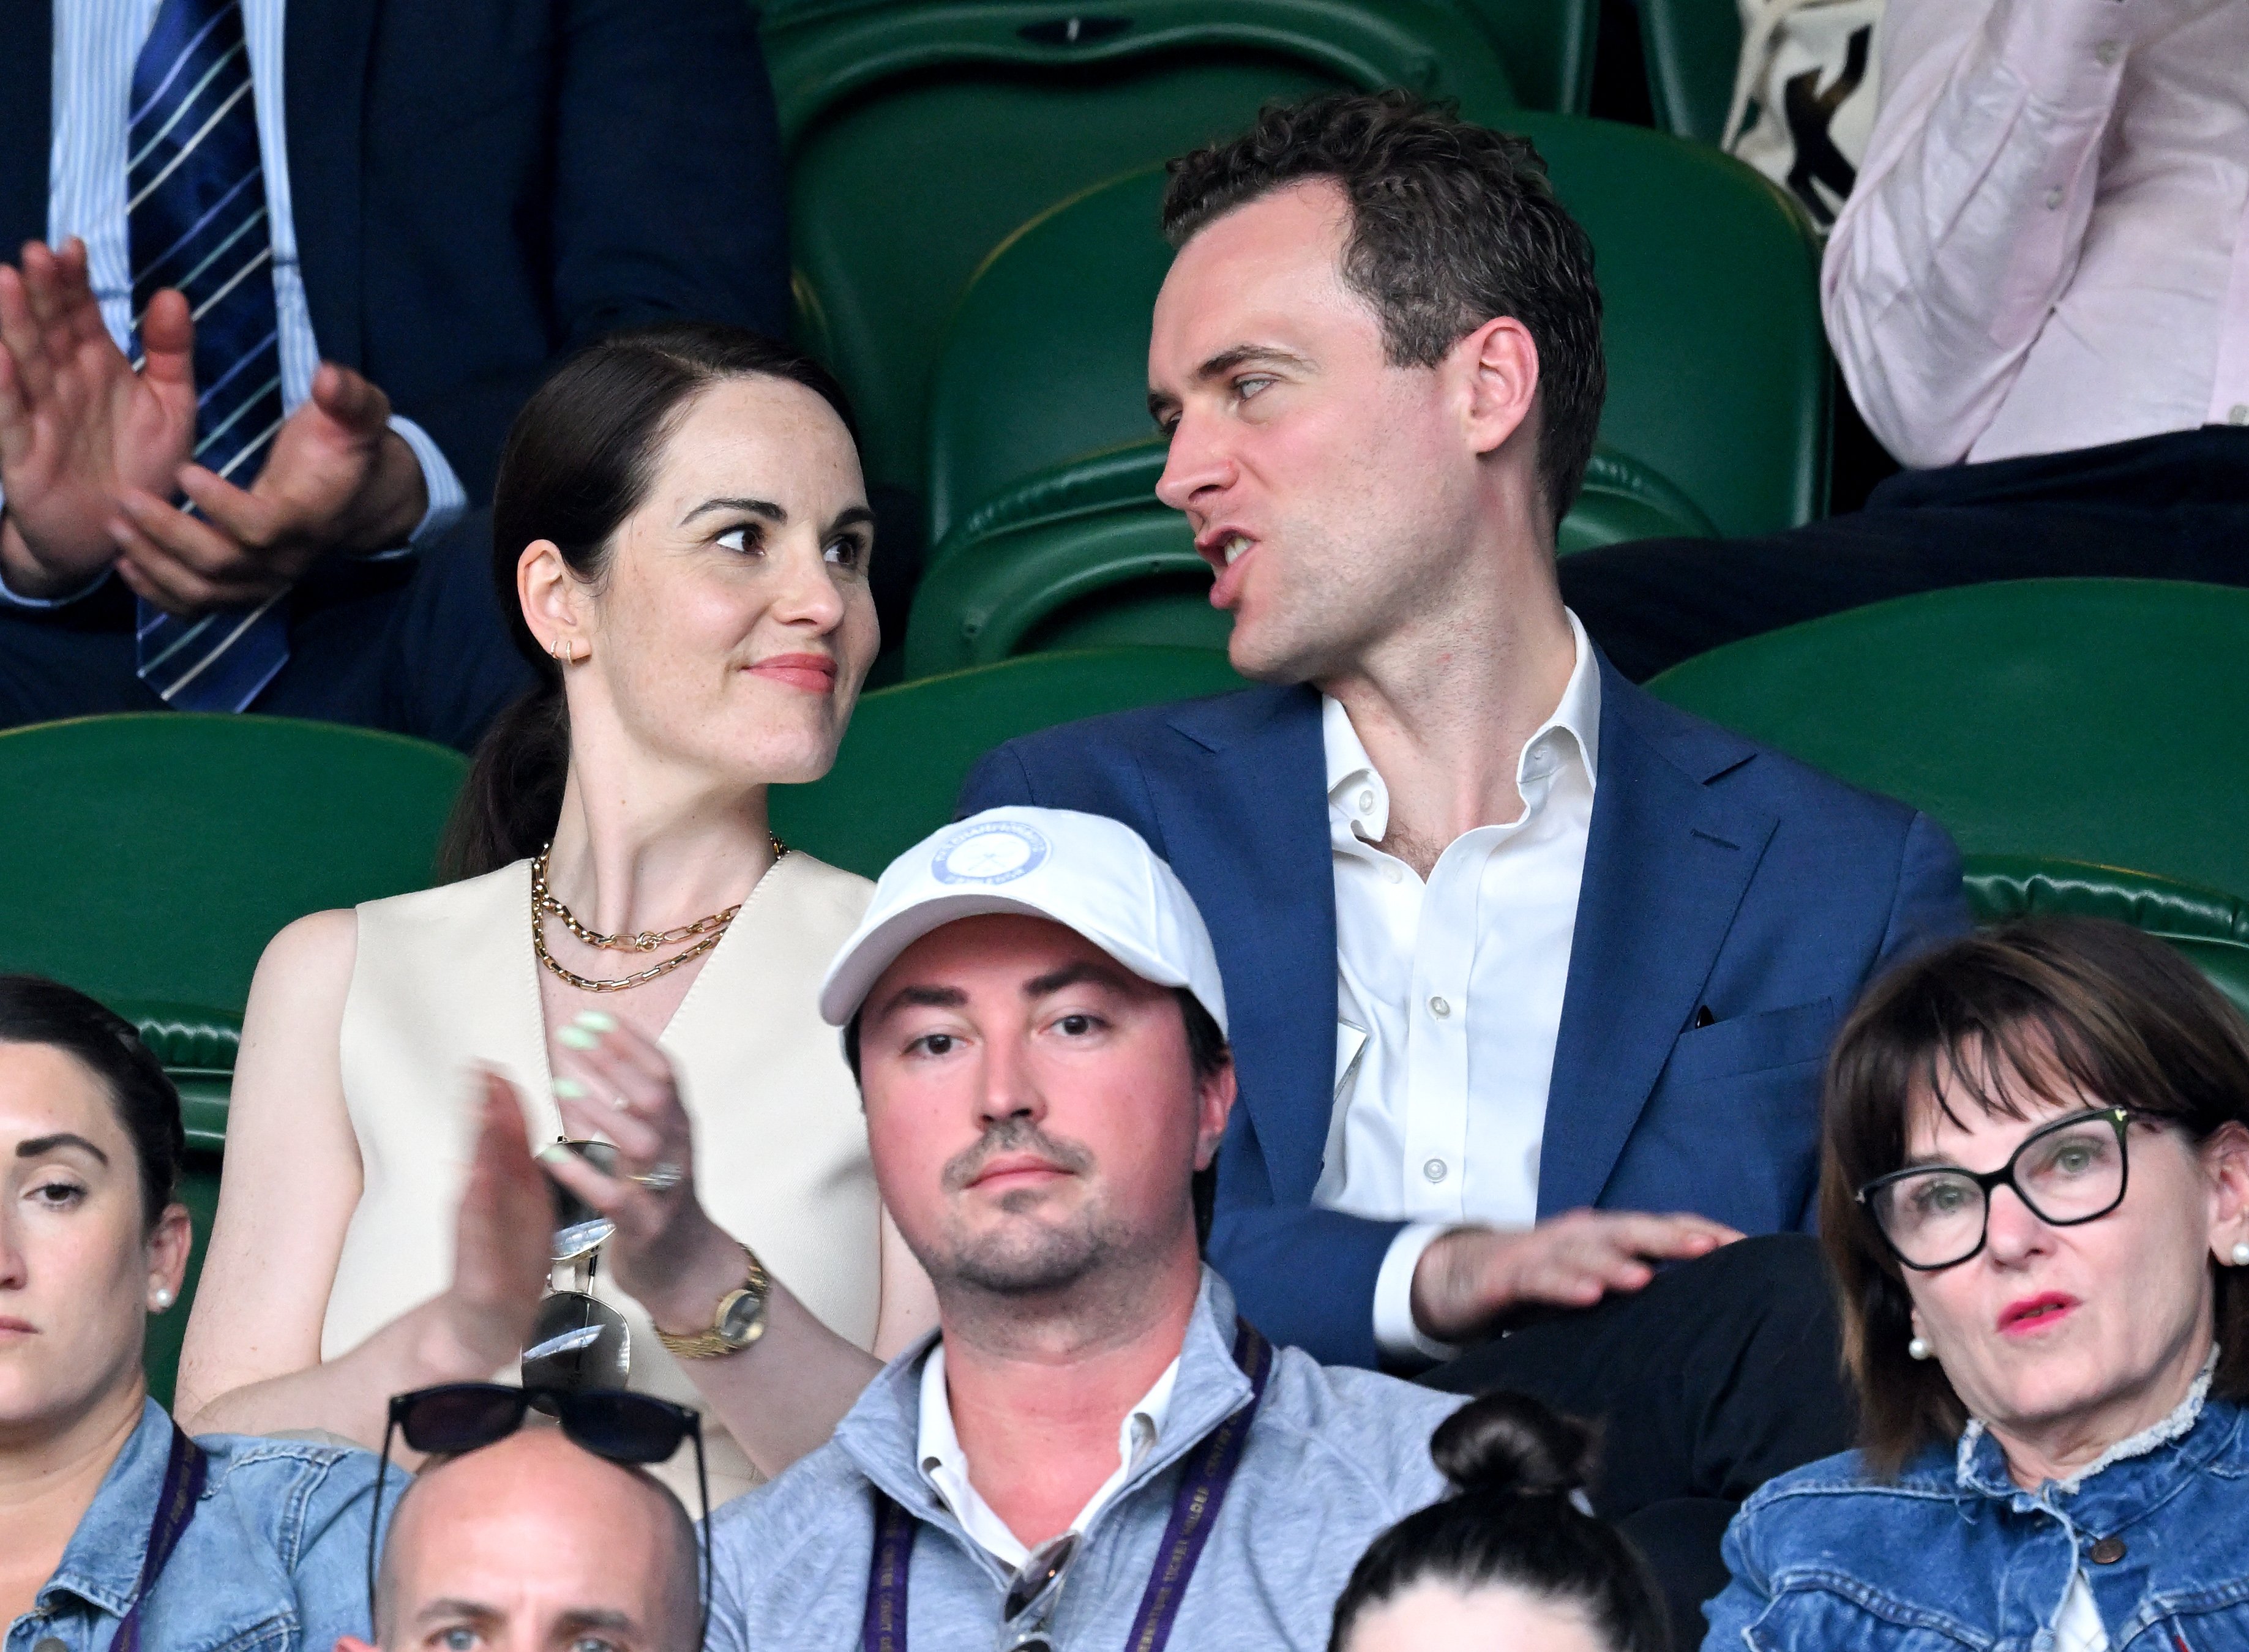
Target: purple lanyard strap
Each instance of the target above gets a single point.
(1194, 1511)
(184, 1472)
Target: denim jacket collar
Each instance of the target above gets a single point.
(2125, 1482)
(101, 1566)
(880, 1432)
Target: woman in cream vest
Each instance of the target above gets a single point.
(682, 524)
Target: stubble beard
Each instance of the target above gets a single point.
(1028, 1256)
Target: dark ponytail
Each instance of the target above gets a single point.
(578, 461)
(1515, 1521)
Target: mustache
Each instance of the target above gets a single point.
(1014, 1134)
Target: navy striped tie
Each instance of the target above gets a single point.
(195, 208)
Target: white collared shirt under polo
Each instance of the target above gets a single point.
(946, 1466)
(1449, 996)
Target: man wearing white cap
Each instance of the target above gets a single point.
(1095, 1450)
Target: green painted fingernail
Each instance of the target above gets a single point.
(598, 1020)
(569, 1089)
(577, 1038)
(553, 1153)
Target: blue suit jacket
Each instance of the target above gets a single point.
(1719, 875)
(481, 186)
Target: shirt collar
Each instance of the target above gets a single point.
(946, 1466)
(1355, 791)
(101, 1565)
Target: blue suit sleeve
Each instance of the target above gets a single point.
(999, 778)
(1931, 907)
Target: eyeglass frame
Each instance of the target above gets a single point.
(691, 1426)
(1986, 1180)
(1046, 1569)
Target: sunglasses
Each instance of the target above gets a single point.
(1034, 1592)
(458, 1417)
(577, 1340)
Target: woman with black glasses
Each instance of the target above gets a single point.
(2035, 1195)
(116, 1530)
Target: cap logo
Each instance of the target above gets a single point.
(997, 851)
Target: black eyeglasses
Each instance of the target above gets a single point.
(455, 1417)
(2074, 1170)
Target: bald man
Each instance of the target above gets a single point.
(535, 1545)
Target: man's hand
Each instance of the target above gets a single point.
(1469, 1280)
(338, 478)
(78, 426)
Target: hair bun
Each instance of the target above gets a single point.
(1510, 1443)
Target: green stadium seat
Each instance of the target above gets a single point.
(1718, 368)
(1692, 48)
(150, 857)
(2100, 721)
(910, 746)
(921, 134)
(1084, 556)
(1548, 47)
(2208, 926)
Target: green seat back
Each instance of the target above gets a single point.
(2102, 720)
(921, 134)
(2209, 926)
(910, 747)
(1718, 369)
(1548, 47)
(1084, 556)
(1692, 48)
(151, 857)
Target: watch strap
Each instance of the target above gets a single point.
(713, 1342)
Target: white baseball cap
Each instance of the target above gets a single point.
(1086, 872)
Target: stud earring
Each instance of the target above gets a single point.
(160, 1298)
(2241, 1255)
(1917, 1349)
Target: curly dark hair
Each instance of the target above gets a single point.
(1452, 225)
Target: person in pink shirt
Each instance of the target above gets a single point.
(2038, 295)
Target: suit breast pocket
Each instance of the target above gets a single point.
(1756, 1042)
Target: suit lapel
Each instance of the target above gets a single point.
(27, 59)
(1667, 862)
(324, 58)
(1246, 827)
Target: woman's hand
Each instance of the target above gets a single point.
(667, 1252)
(502, 1237)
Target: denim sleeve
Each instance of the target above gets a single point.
(329, 1552)
(1745, 1599)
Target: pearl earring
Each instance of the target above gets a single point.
(160, 1298)
(2241, 1255)
(1917, 1349)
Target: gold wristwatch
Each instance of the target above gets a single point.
(740, 1320)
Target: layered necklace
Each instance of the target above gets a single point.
(704, 932)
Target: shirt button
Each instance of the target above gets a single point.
(1440, 1008)
(2107, 52)
(1366, 801)
(2237, 414)
(2053, 199)
(1395, 874)
(1435, 1170)
(2107, 1552)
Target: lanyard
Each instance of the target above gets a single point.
(176, 1506)
(1210, 1470)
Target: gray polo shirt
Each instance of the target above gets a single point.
(1336, 1457)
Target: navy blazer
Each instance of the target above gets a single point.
(481, 186)
(1719, 875)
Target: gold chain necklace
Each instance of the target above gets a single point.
(712, 930)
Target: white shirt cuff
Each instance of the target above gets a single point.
(448, 499)
(1396, 1333)
(12, 599)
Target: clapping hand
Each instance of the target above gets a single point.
(667, 1253)
(502, 1237)
(79, 427)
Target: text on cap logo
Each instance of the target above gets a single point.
(997, 851)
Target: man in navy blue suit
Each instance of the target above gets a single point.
(1533, 976)
(289, 267)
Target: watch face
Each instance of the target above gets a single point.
(743, 1314)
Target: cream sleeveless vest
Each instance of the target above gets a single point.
(446, 981)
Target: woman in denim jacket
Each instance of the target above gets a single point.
(2035, 1194)
(115, 1530)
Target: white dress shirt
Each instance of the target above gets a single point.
(946, 1466)
(1449, 997)
(2048, 247)
(96, 44)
